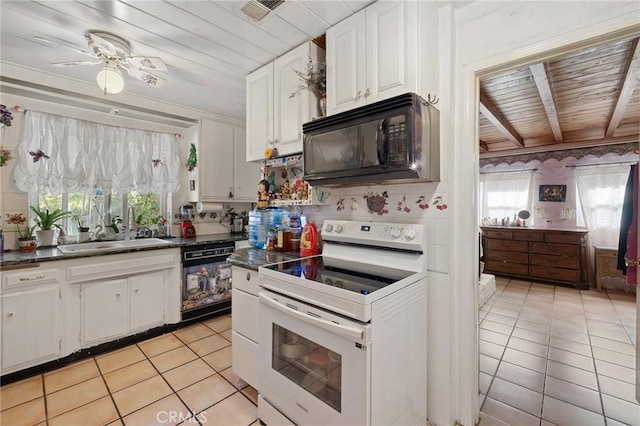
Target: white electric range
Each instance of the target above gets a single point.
(343, 334)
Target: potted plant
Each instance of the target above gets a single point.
(26, 239)
(46, 220)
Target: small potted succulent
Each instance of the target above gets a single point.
(46, 220)
(26, 239)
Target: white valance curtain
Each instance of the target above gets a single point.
(85, 156)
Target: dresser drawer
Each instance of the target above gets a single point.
(506, 245)
(559, 261)
(493, 266)
(556, 249)
(497, 233)
(507, 256)
(528, 236)
(556, 274)
(563, 238)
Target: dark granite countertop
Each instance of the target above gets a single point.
(46, 254)
(253, 258)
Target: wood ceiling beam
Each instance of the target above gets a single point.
(494, 115)
(628, 85)
(484, 147)
(546, 95)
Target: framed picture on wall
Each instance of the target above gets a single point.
(557, 193)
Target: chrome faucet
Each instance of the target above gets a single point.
(132, 225)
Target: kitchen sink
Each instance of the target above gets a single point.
(100, 246)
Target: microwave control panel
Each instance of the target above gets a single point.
(397, 136)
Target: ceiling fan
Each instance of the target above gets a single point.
(114, 53)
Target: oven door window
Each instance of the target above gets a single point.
(205, 284)
(311, 366)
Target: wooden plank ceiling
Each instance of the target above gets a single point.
(587, 97)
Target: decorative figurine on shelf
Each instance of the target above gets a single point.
(285, 190)
(263, 194)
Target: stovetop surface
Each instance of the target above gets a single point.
(314, 269)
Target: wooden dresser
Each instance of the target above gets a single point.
(541, 254)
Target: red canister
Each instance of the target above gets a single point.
(309, 244)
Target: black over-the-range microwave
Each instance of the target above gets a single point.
(393, 140)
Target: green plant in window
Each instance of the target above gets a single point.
(46, 220)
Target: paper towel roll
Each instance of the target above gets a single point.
(208, 207)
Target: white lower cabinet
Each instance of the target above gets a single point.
(104, 311)
(244, 323)
(30, 332)
(114, 308)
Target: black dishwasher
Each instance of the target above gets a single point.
(206, 280)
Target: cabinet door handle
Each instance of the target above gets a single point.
(367, 92)
(33, 278)
(117, 294)
(10, 314)
(248, 276)
(137, 290)
(359, 94)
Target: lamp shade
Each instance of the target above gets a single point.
(110, 80)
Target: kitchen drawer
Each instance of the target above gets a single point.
(28, 277)
(556, 274)
(558, 261)
(244, 314)
(545, 248)
(244, 358)
(508, 256)
(528, 236)
(492, 266)
(498, 234)
(245, 280)
(506, 245)
(563, 238)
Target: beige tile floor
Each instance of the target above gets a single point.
(165, 380)
(552, 355)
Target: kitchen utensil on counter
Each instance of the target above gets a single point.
(187, 230)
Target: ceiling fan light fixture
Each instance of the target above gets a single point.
(110, 80)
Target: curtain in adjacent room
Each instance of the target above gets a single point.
(628, 245)
(59, 154)
(601, 191)
(504, 194)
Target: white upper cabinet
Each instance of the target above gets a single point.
(223, 173)
(259, 111)
(372, 55)
(273, 114)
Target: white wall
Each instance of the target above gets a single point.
(488, 36)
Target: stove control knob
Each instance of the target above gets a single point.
(395, 233)
(328, 227)
(410, 234)
(338, 228)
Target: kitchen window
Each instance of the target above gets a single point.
(96, 171)
(95, 209)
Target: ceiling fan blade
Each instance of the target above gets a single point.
(147, 77)
(66, 45)
(105, 46)
(75, 63)
(147, 62)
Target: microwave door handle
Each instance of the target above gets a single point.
(382, 142)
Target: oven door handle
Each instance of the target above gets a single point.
(346, 331)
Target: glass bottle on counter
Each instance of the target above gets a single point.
(271, 240)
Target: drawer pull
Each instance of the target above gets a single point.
(33, 278)
(632, 262)
(248, 276)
